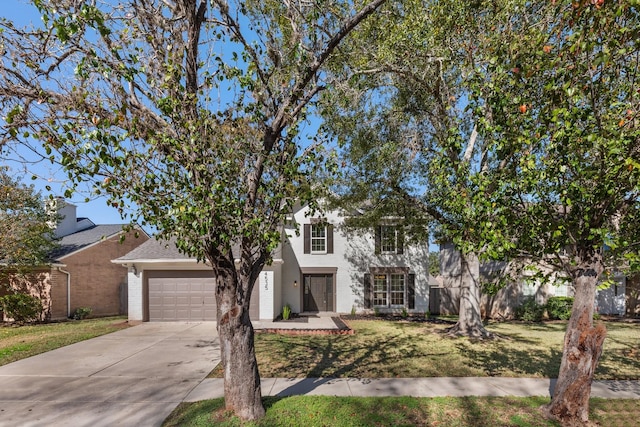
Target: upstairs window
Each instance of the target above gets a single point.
(389, 239)
(318, 237)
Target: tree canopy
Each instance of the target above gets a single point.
(25, 225)
(514, 125)
(195, 112)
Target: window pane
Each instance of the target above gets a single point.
(318, 238)
(380, 289)
(397, 289)
(388, 238)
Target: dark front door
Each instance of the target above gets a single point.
(318, 292)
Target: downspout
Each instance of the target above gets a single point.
(68, 290)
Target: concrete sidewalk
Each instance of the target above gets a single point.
(418, 387)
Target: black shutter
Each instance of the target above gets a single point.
(366, 290)
(400, 242)
(411, 290)
(329, 238)
(307, 238)
(378, 237)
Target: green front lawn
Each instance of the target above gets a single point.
(320, 411)
(381, 349)
(19, 342)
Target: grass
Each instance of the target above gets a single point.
(383, 349)
(310, 411)
(19, 342)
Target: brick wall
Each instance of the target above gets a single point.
(95, 280)
(36, 282)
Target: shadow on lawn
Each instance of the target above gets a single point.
(343, 356)
(497, 360)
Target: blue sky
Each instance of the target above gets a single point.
(22, 13)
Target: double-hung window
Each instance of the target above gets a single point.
(389, 239)
(318, 239)
(380, 290)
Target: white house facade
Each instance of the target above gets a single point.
(323, 267)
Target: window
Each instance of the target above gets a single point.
(380, 290)
(397, 289)
(318, 239)
(390, 289)
(389, 239)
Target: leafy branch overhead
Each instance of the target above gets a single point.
(149, 99)
(193, 113)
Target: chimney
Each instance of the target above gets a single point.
(66, 212)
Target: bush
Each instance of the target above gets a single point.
(530, 311)
(286, 312)
(81, 313)
(559, 308)
(21, 307)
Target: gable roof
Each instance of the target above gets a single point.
(156, 250)
(81, 239)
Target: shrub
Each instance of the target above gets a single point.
(353, 310)
(529, 310)
(286, 312)
(21, 307)
(81, 313)
(559, 308)
(404, 313)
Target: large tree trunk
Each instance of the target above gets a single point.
(469, 320)
(582, 349)
(242, 392)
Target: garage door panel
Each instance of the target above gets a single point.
(181, 295)
(186, 295)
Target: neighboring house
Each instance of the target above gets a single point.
(502, 304)
(80, 273)
(323, 268)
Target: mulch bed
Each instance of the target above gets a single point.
(399, 318)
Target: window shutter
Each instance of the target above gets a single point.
(366, 290)
(400, 242)
(329, 238)
(411, 290)
(378, 238)
(307, 238)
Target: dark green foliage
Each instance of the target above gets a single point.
(530, 310)
(559, 308)
(81, 313)
(21, 307)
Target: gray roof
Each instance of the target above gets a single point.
(156, 250)
(81, 239)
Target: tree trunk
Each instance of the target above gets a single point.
(582, 349)
(469, 320)
(242, 392)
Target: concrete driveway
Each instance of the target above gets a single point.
(133, 377)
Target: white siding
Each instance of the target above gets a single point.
(353, 255)
(267, 292)
(135, 310)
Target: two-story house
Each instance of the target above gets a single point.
(323, 267)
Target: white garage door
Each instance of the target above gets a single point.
(181, 295)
